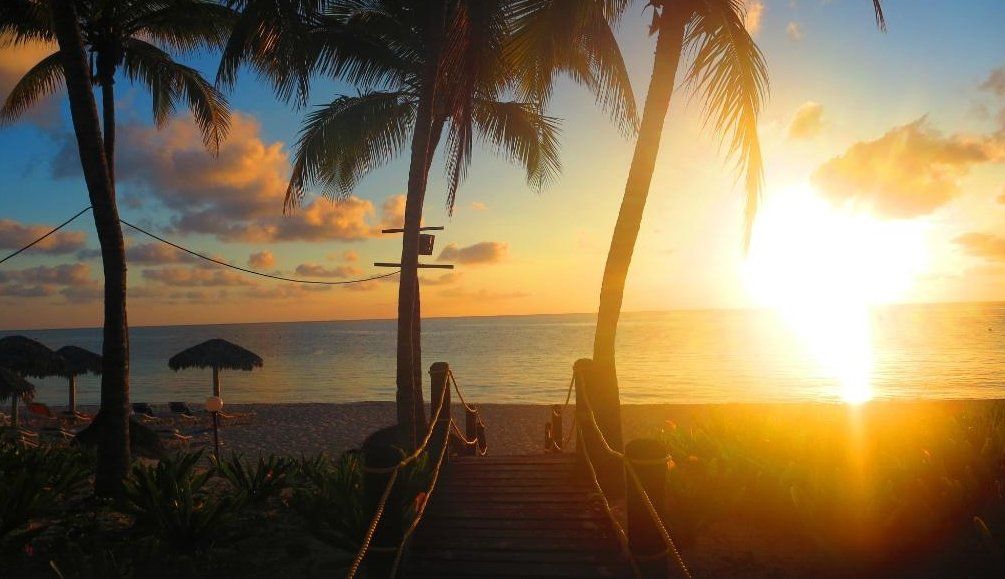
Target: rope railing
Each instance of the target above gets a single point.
(589, 422)
(451, 432)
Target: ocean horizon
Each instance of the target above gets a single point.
(914, 351)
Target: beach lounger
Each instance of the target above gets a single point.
(143, 409)
(172, 438)
(41, 414)
(181, 408)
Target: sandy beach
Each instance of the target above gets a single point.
(310, 428)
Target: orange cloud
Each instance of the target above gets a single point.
(448, 278)
(155, 254)
(910, 171)
(196, 277)
(261, 260)
(318, 270)
(66, 274)
(983, 245)
(807, 122)
(479, 253)
(15, 235)
(753, 12)
(237, 196)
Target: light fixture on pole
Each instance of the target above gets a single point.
(214, 404)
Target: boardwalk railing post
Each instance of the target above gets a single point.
(644, 537)
(471, 431)
(439, 381)
(380, 451)
(579, 371)
(556, 425)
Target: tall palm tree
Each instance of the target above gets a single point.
(425, 69)
(116, 35)
(728, 74)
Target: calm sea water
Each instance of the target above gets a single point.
(917, 351)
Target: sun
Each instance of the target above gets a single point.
(823, 268)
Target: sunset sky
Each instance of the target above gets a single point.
(884, 183)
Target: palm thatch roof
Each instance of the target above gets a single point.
(28, 357)
(215, 353)
(12, 385)
(80, 361)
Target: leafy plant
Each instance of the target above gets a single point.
(256, 483)
(34, 480)
(331, 501)
(170, 500)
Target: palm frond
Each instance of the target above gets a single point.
(730, 76)
(275, 38)
(877, 7)
(186, 24)
(572, 37)
(40, 81)
(169, 82)
(346, 139)
(23, 21)
(522, 133)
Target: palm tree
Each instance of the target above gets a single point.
(117, 35)
(728, 73)
(422, 68)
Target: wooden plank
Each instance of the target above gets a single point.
(517, 569)
(440, 534)
(452, 544)
(543, 525)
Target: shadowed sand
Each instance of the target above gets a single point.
(309, 428)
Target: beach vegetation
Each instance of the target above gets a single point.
(171, 500)
(256, 481)
(36, 482)
(330, 499)
(864, 492)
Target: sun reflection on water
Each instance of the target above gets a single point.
(822, 269)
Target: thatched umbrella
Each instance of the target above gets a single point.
(78, 361)
(14, 387)
(216, 354)
(27, 357)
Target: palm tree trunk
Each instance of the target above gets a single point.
(411, 412)
(108, 118)
(113, 419)
(668, 51)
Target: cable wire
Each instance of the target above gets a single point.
(57, 228)
(251, 271)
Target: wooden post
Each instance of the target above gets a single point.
(439, 383)
(644, 537)
(471, 431)
(216, 381)
(580, 370)
(380, 451)
(556, 425)
(72, 403)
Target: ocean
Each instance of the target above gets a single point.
(907, 351)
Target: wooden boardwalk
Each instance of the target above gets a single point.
(514, 516)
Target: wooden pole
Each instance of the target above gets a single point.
(471, 431)
(216, 436)
(439, 383)
(380, 451)
(72, 403)
(556, 425)
(644, 537)
(216, 381)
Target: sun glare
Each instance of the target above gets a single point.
(823, 268)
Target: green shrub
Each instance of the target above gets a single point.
(257, 483)
(33, 481)
(170, 501)
(331, 499)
